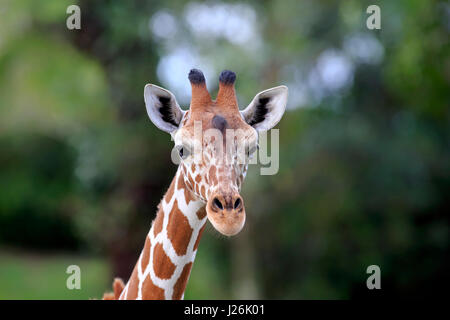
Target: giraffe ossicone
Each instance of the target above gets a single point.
(214, 141)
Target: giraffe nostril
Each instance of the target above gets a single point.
(218, 204)
(237, 203)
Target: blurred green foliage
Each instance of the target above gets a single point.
(364, 145)
(40, 276)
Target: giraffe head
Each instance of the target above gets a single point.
(214, 141)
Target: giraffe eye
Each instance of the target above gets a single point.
(251, 150)
(183, 151)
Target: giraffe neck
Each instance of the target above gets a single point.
(165, 263)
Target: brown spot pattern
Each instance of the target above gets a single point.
(202, 192)
(162, 265)
(197, 190)
(212, 175)
(180, 285)
(180, 184)
(179, 231)
(145, 254)
(151, 291)
(132, 292)
(199, 236)
(188, 195)
(191, 182)
(201, 213)
(169, 193)
(158, 222)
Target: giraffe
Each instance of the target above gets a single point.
(207, 182)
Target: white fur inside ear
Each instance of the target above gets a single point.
(162, 108)
(266, 108)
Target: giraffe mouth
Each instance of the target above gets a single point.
(226, 213)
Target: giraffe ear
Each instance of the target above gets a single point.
(162, 108)
(266, 108)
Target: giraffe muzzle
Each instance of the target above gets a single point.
(226, 212)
